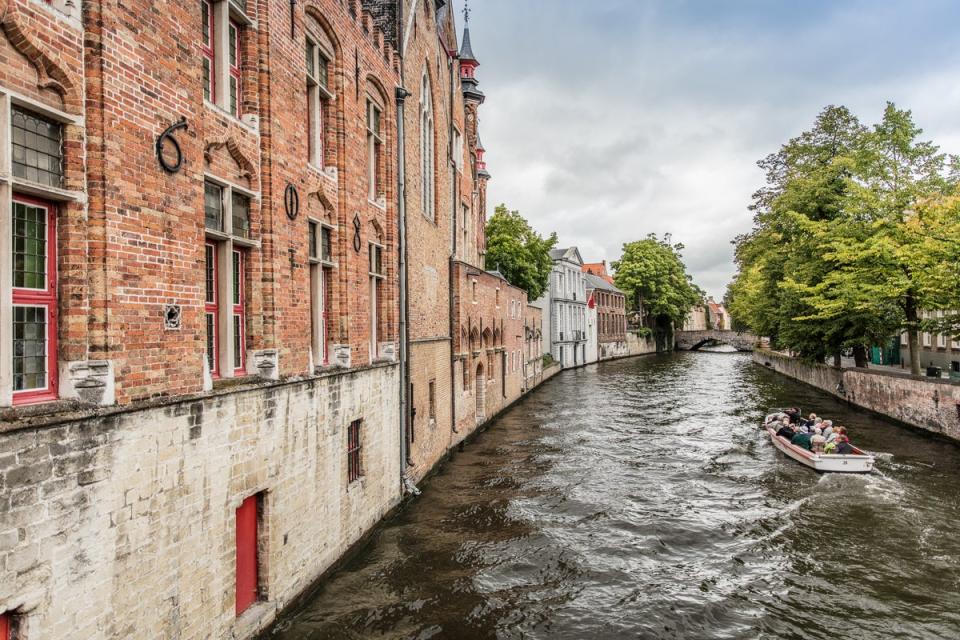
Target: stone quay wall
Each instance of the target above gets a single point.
(122, 525)
(925, 403)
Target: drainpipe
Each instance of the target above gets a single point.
(453, 251)
(401, 96)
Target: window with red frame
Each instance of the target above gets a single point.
(238, 314)
(207, 51)
(320, 255)
(228, 242)
(211, 308)
(34, 351)
(354, 448)
(234, 44)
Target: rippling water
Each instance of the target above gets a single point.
(638, 499)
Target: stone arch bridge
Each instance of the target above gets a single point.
(693, 340)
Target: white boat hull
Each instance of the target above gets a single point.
(858, 462)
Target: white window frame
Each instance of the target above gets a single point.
(321, 267)
(457, 149)
(319, 100)
(374, 311)
(225, 12)
(226, 242)
(375, 141)
(427, 150)
(9, 185)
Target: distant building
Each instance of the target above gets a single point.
(611, 308)
(936, 350)
(566, 300)
(696, 319)
(533, 346)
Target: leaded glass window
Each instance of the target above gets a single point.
(213, 206)
(37, 145)
(29, 348)
(29, 246)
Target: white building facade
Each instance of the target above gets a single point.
(566, 301)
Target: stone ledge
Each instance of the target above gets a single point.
(51, 414)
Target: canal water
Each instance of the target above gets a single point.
(638, 499)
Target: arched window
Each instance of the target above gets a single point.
(427, 149)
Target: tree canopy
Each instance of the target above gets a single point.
(652, 275)
(849, 237)
(519, 252)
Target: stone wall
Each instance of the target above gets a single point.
(123, 525)
(926, 403)
(639, 345)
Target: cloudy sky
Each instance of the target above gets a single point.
(610, 119)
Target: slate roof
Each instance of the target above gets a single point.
(596, 282)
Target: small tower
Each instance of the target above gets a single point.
(469, 64)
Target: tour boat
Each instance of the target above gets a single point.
(857, 462)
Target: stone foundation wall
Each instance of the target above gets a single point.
(639, 345)
(123, 525)
(926, 403)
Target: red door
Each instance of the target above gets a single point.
(4, 627)
(246, 554)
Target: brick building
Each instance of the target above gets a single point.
(201, 311)
(533, 346)
(611, 307)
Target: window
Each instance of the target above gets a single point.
(320, 279)
(427, 150)
(221, 52)
(374, 150)
(34, 350)
(211, 309)
(473, 284)
(489, 366)
(941, 341)
(457, 150)
(466, 376)
(226, 251)
(354, 450)
(319, 97)
(238, 314)
(234, 46)
(37, 145)
(432, 399)
(206, 51)
(248, 523)
(926, 339)
(376, 277)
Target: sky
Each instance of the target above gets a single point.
(611, 119)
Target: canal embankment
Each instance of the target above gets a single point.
(930, 404)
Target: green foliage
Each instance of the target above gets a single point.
(848, 232)
(652, 275)
(519, 252)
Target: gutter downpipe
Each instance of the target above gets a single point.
(451, 162)
(401, 96)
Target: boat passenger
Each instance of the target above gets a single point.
(827, 426)
(786, 431)
(830, 448)
(817, 441)
(844, 447)
(810, 421)
(801, 439)
(794, 414)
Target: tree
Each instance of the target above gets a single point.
(874, 247)
(519, 252)
(652, 275)
(806, 181)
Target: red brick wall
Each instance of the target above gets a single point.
(485, 330)
(137, 243)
